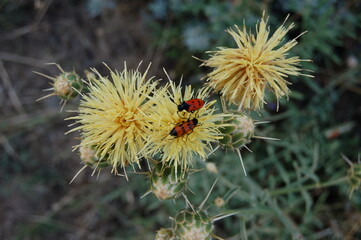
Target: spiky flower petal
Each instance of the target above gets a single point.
(242, 74)
(113, 116)
(178, 151)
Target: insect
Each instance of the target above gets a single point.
(183, 128)
(191, 105)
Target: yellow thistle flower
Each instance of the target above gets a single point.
(113, 116)
(242, 74)
(178, 151)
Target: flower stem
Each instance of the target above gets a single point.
(308, 187)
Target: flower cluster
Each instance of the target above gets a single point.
(129, 117)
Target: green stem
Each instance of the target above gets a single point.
(308, 187)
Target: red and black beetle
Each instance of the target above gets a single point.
(183, 128)
(191, 105)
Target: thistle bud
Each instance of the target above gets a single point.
(67, 85)
(237, 130)
(88, 156)
(165, 234)
(354, 177)
(211, 167)
(165, 183)
(193, 225)
(219, 202)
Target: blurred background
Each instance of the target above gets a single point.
(320, 121)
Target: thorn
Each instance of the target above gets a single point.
(125, 174)
(217, 237)
(150, 169)
(190, 190)
(247, 148)
(198, 59)
(266, 138)
(221, 216)
(84, 167)
(80, 93)
(62, 107)
(187, 201)
(49, 95)
(195, 170)
(95, 168)
(347, 160)
(48, 89)
(145, 194)
(263, 122)
(241, 159)
(213, 151)
(46, 76)
(209, 193)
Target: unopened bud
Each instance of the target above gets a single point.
(211, 167)
(237, 131)
(193, 225)
(165, 183)
(165, 234)
(67, 85)
(88, 156)
(219, 202)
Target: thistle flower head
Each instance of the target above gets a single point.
(242, 74)
(113, 116)
(192, 139)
